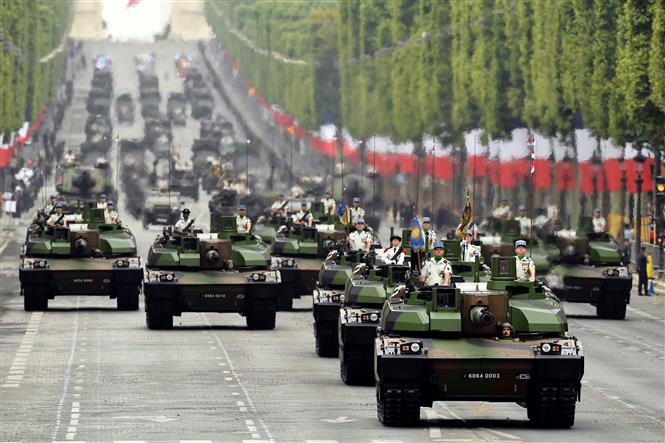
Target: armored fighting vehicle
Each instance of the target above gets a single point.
(81, 182)
(124, 108)
(588, 269)
(195, 273)
(503, 340)
(161, 208)
(185, 181)
(297, 254)
(328, 296)
(81, 255)
(202, 105)
(500, 240)
(176, 107)
(98, 134)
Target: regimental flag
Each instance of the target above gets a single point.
(531, 144)
(343, 212)
(467, 215)
(416, 238)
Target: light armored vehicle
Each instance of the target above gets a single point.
(161, 208)
(588, 269)
(83, 256)
(195, 273)
(502, 341)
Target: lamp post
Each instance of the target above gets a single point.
(639, 169)
(624, 181)
(247, 143)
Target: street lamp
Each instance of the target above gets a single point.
(247, 143)
(639, 169)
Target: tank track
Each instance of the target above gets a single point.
(552, 404)
(326, 339)
(357, 367)
(398, 403)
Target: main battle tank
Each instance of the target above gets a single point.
(500, 241)
(196, 274)
(297, 253)
(588, 269)
(124, 109)
(327, 298)
(503, 340)
(202, 104)
(83, 182)
(161, 207)
(85, 257)
(98, 135)
(176, 107)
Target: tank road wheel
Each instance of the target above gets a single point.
(127, 298)
(326, 339)
(612, 307)
(35, 299)
(159, 315)
(356, 365)
(398, 403)
(552, 405)
(261, 314)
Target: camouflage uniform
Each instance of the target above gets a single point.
(434, 271)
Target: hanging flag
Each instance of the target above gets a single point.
(531, 144)
(416, 238)
(343, 212)
(467, 215)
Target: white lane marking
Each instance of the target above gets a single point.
(644, 314)
(235, 375)
(620, 337)
(431, 414)
(195, 441)
(501, 434)
(68, 371)
(643, 412)
(16, 372)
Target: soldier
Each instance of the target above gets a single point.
(184, 225)
(70, 158)
(360, 240)
(101, 201)
(526, 269)
(329, 204)
(599, 222)
(502, 212)
(437, 270)
(50, 206)
(525, 222)
(243, 223)
(428, 234)
(58, 218)
(110, 214)
(395, 254)
(303, 217)
(356, 212)
(279, 206)
(506, 330)
(469, 250)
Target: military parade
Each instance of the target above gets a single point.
(182, 260)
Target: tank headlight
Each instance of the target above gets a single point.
(374, 316)
(41, 263)
(415, 347)
(545, 347)
(119, 263)
(256, 277)
(169, 277)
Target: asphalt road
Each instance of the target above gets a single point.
(84, 372)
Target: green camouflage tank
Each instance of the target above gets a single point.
(197, 274)
(327, 298)
(588, 269)
(161, 208)
(83, 182)
(85, 257)
(502, 340)
(297, 253)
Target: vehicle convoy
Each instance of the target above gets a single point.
(83, 256)
(297, 254)
(327, 298)
(363, 300)
(503, 341)
(588, 269)
(195, 273)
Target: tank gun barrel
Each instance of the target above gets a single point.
(481, 316)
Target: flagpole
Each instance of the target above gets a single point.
(418, 182)
(532, 143)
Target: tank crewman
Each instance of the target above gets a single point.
(185, 225)
(599, 222)
(356, 212)
(329, 205)
(525, 222)
(70, 158)
(502, 212)
(395, 254)
(428, 233)
(469, 250)
(101, 201)
(437, 270)
(279, 206)
(57, 218)
(243, 223)
(507, 330)
(526, 269)
(110, 214)
(50, 206)
(303, 217)
(360, 240)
